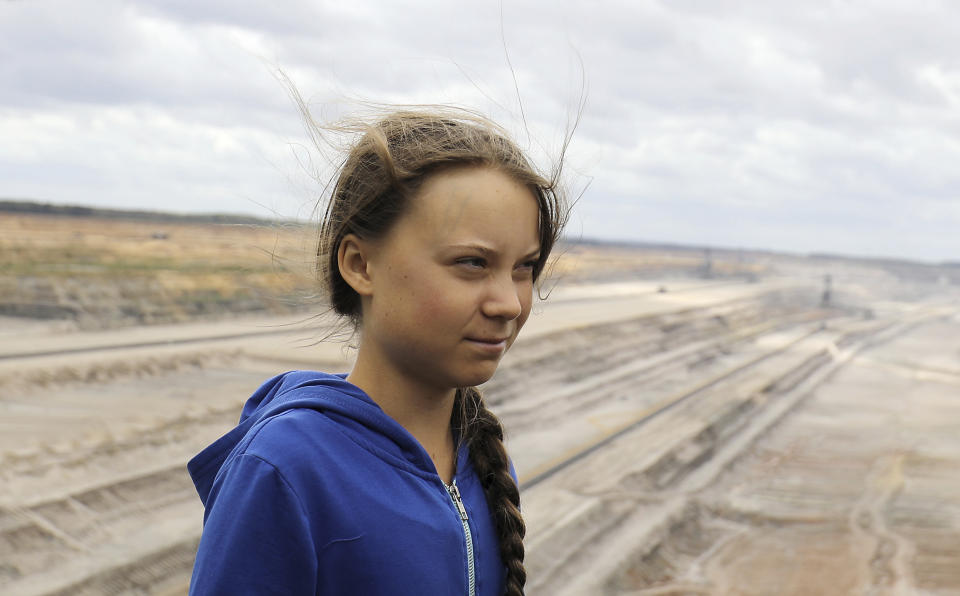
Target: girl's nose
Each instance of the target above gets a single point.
(503, 300)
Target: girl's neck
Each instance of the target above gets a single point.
(423, 411)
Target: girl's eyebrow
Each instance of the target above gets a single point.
(488, 252)
(485, 251)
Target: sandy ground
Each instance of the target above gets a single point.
(843, 482)
(862, 483)
(96, 428)
(56, 388)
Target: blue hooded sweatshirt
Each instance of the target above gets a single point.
(318, 491)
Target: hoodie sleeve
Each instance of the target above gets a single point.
(256, 536)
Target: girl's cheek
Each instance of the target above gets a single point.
(431, 298)
(435, 303)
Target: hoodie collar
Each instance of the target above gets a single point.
(330, 393)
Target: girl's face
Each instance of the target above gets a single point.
(451, 283)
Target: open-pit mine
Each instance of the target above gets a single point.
(722, 423)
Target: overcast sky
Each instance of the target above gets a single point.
(827, 126)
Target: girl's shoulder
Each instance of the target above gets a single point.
(288, 436)
(305, 413)
(305, 441)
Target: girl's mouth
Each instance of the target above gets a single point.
(489, 344)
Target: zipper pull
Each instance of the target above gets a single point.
(455, 494)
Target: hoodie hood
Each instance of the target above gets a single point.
(318, 491)
(329, 393)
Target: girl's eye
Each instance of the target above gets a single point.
(527, 266)
(472, 262)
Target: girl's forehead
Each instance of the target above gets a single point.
(473, 190)
(474, 201)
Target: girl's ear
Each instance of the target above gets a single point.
(353, 260)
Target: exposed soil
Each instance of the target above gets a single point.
(745, 437)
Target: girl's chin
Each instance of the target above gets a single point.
(475, 377)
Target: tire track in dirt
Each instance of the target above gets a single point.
(889, 565)
(649, 467)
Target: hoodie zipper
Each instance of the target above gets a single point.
(454, 493)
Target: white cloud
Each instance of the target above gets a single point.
(820, 125)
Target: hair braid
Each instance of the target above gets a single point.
(484, 434)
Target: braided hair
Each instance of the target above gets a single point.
(484, 435)
(382, 171)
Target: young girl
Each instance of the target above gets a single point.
(393, 479)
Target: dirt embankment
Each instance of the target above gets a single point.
(103, 272)
(97, 272)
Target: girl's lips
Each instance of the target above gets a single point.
(488, 340)
(493, 345)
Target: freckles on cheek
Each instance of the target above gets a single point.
(426, 298)
(429, 306)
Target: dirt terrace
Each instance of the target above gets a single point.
(744, 438)
(838, 477)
